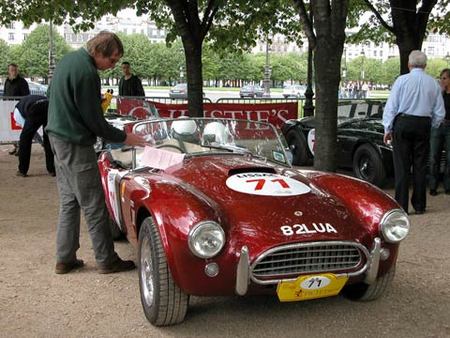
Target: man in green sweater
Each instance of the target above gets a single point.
(75, 119)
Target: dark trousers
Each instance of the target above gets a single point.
(411, 143)
(440, 139)
(26, 138)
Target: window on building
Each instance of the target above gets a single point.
(10, 25)
(11, 36)
(25, 35)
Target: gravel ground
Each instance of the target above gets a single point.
(35, 302)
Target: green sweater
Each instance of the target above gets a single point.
(75, 114)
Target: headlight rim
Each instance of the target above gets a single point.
(196, 228)
(382, 225)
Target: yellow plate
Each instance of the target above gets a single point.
(311, 287)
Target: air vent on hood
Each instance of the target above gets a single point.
(251, 170)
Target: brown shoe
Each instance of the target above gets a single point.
(117, 266)
(62, 268)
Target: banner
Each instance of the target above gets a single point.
(9, 130)
(274, 113)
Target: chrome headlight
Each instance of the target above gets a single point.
(206, 239)
(394, 226)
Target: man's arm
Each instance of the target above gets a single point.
(121, 86)
(88, 100)
(24, 88)
(391, 108)
(438, 112)
(139, 89)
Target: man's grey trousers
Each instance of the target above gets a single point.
(79, 186)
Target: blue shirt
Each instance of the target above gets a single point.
(415, 93)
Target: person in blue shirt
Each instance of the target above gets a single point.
(440, 138)
(414, 105)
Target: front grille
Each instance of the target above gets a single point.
(304, 258)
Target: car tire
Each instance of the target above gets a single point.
(116, 233)
(299, 148)
(364, 292)
(368, 166)
(164, 303)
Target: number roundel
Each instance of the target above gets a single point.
(266, 184)
(315, 283)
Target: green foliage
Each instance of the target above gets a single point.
(435, 66)
(32, 54)
(4, 51)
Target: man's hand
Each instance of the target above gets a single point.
(135, 140)
(387, 139)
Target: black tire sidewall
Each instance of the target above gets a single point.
(151, 312)
(376, 162)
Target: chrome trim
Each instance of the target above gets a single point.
(242, 272)
(194, 229)
(309, 244)
(383, 219)
(133, 158)
(372, 272)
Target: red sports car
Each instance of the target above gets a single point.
(214, 208)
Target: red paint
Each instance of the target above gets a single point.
(274, 113)
(183, 196)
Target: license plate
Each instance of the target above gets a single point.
(310, 287)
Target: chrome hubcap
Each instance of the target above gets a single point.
(147, 272)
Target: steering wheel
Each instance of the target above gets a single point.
(172, 146)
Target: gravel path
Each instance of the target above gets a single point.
(35, 302)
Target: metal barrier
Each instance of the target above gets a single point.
(264, 100)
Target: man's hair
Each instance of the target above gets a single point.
(125, 63)
(105, 43)
(445, 71)
(417, 59)
(13, 65)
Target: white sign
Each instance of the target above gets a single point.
(315, 283)
(266, 184)
(9, 130)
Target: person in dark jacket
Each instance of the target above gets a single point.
(15, 86)
(75, 120)
(440, 138)
(33, 109)
(129, 84)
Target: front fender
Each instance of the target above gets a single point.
(175, 208)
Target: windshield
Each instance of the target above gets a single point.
(211, 136)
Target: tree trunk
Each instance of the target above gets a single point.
(409, 25)
(329, 23)
(193, 54)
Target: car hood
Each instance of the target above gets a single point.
(263, 221)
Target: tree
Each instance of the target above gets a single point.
(404, 21)
(326, 35)
(33, 52)
(4, 51)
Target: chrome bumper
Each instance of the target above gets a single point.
(370, 269)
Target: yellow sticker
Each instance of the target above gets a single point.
(310, 287)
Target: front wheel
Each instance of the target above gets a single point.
(164, 303)
(365, 292)
(368, 166)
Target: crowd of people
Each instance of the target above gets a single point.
(354, 90)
